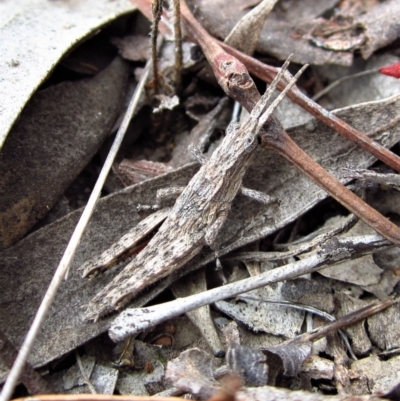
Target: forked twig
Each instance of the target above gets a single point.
(267, 73)
(233, 77)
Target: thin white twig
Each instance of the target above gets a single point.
(69, 253)
(324, 91)
(134, 321)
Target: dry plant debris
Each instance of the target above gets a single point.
(320, 311)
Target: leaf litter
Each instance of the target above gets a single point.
(36, 255)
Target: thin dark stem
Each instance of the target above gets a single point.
(341, 323)
(178, 43)
(157, 10)
(285, 146)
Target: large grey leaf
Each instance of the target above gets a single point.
(34, 36)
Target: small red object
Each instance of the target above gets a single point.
(391, 70)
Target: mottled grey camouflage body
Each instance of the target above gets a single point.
(196, 217)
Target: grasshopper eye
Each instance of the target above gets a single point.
(250, 143)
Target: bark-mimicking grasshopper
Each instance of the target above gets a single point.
(198, 214)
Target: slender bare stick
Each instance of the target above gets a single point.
(157, 10)
(178, 43)
(341, 323)
(288, 148)
(72, 245)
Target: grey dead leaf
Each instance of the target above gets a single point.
(245, 34)
(27, 60)
(309, 292)
(372, 375)
(360, 342)
(101, 377)
(268, 366)
(238, 334)
(280, 36)
(192, 372)
(353, 90)
(201, 317)
(385, 286)
(63, 330)
(73, 376)
(383, 328)
(55, 137)
(260, 316)
(28, 266)
(362, 271)
(104, 379)
(365, 88)
(380, 26)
